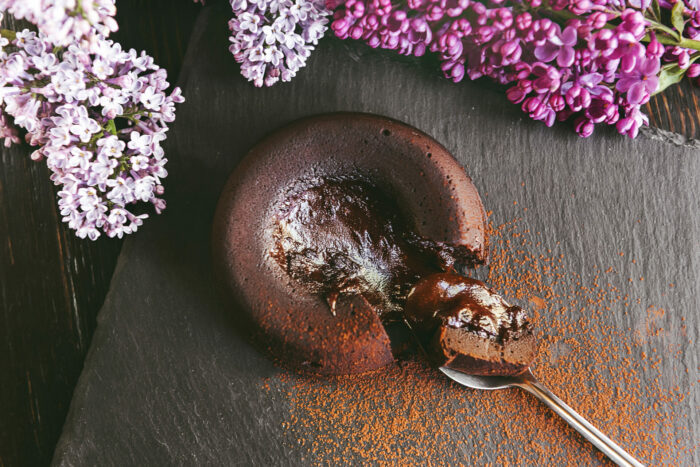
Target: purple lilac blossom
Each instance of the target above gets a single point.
(66, 22)
(98, 115)
(272, 39)
(599, 66)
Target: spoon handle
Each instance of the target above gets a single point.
(580, 424)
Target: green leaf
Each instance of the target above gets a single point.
(670, 74)
(93, 140)
(111, 127)
(656, 9)
(8, 34)
(677, 16)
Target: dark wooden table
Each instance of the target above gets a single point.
(52, 284)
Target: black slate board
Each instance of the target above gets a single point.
(168, 380)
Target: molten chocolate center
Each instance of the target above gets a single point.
(342, 235)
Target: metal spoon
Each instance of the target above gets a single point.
(528, 382)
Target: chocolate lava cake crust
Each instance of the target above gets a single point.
(296, 326)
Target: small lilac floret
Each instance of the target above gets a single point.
(641, 82)
(560, 47)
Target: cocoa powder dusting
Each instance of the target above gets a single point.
(409, 413)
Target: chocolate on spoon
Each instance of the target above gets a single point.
(466, 326)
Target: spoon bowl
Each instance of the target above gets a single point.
(487, 383)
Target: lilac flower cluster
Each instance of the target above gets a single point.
(66, 22)
(98, 115)
(593, 61)
(272, 39)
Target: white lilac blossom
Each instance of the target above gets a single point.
(97, 114)
(272, 39)
(66, 22)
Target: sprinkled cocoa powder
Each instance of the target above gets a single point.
(409, 413)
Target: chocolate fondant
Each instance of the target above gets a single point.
(468, 327)
(422, 187)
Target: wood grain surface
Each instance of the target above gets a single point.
(169, 380)
(52, 284)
